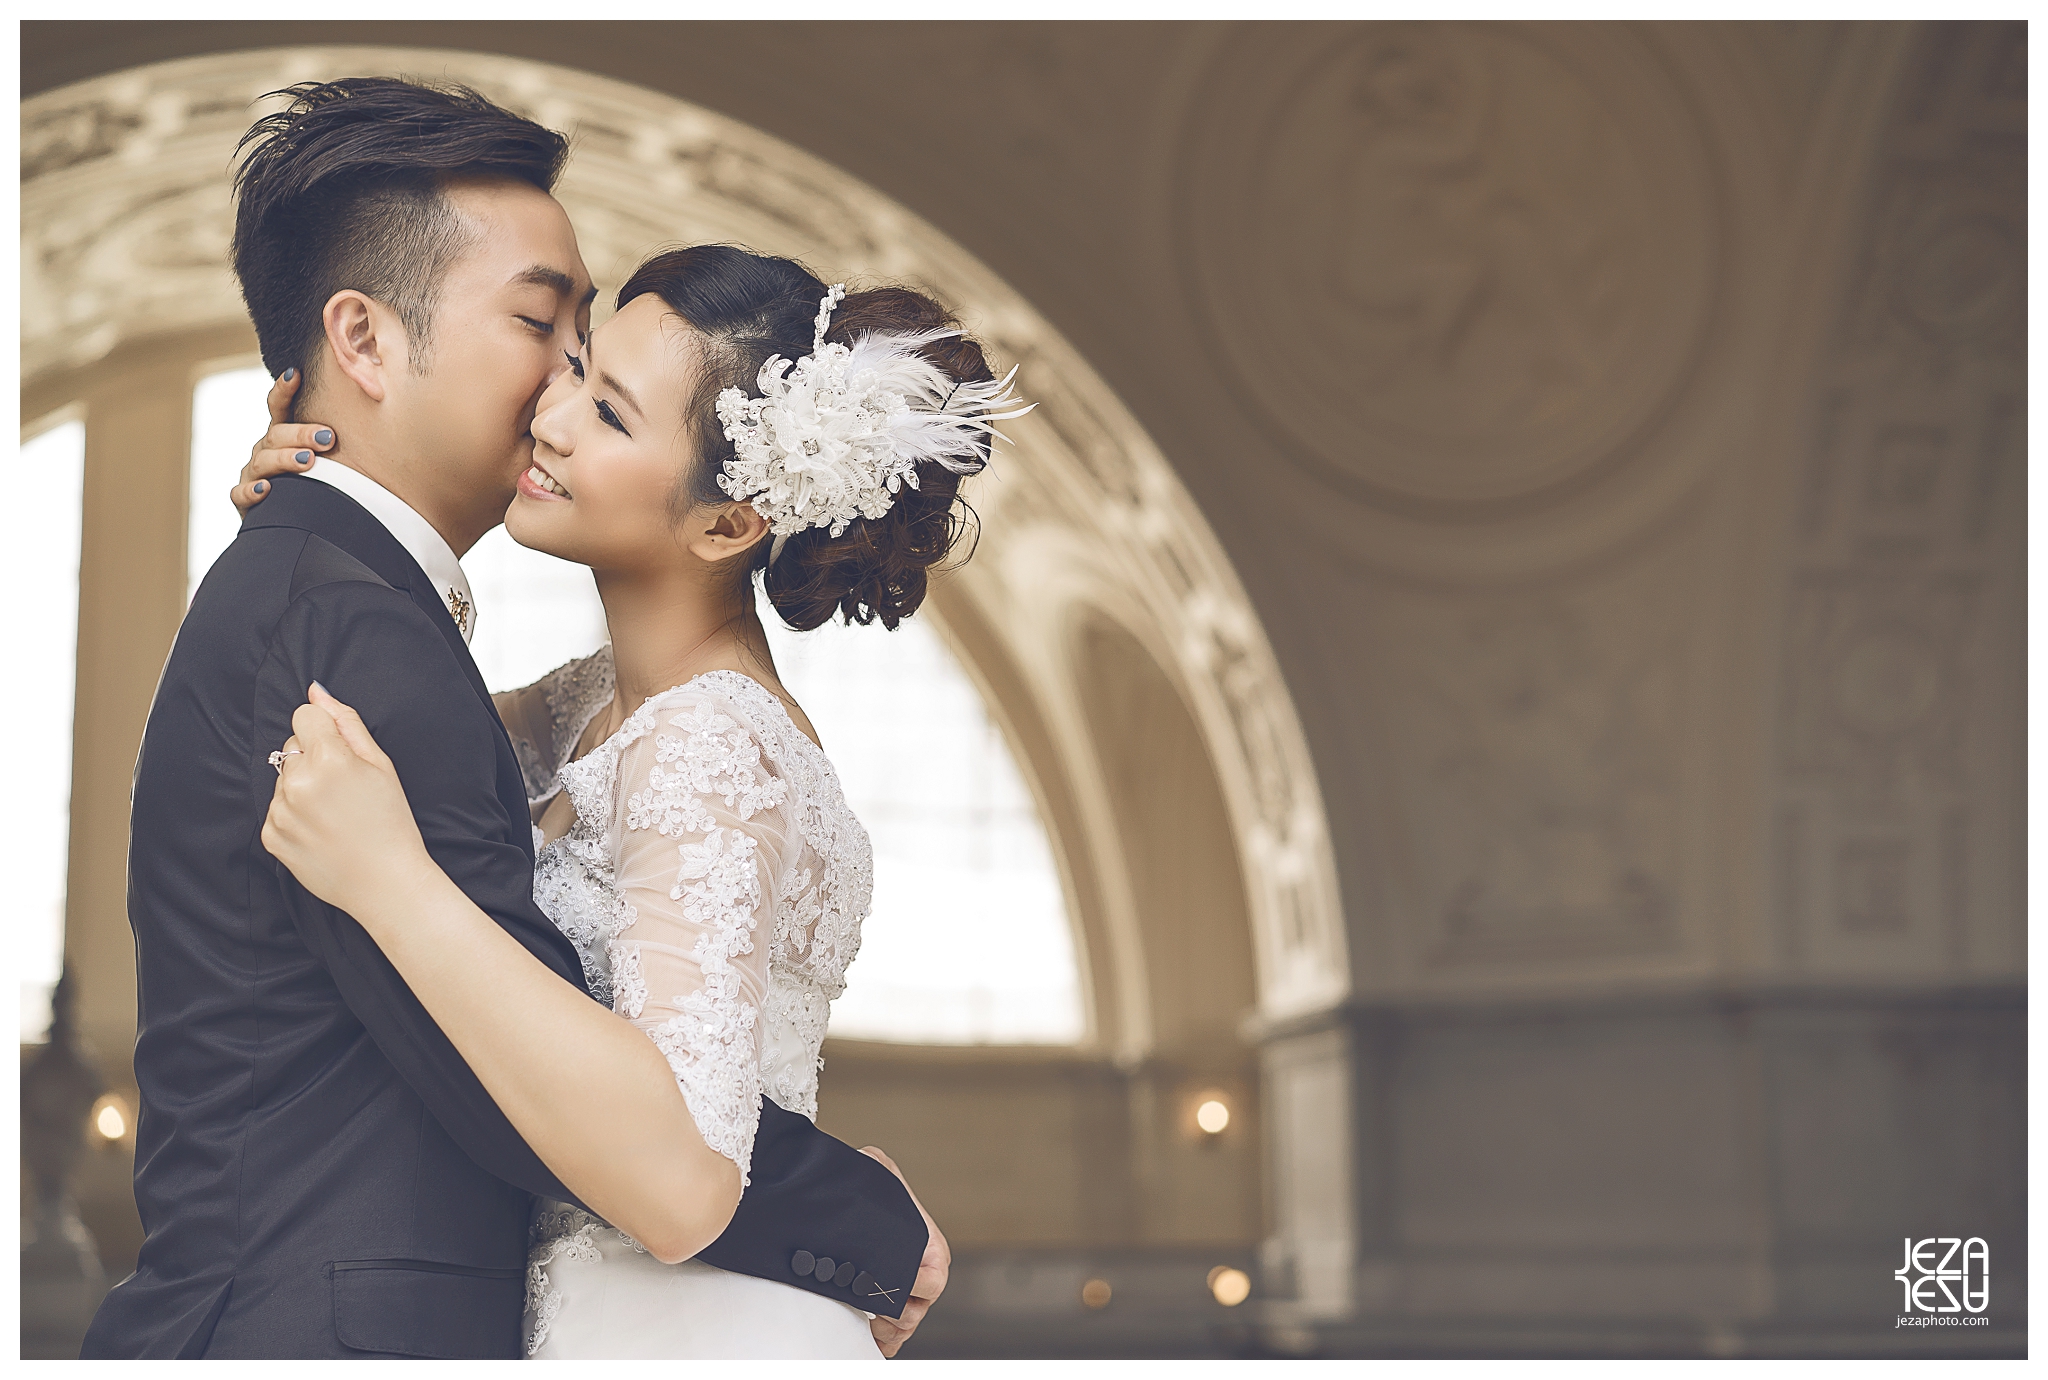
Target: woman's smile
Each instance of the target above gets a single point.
(537, 483)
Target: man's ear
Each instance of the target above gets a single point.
(365, 340)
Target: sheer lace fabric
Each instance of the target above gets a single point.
(713, 883)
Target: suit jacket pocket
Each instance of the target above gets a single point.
(427, 1308)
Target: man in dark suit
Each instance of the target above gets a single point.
(318, 1172)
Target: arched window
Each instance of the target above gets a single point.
(44, 646)
(970, 940)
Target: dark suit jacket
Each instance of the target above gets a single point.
(318, 1171)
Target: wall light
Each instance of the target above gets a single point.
(1213, 1114)
(1095, 1293)
(1231, 1287)
(110, 1118)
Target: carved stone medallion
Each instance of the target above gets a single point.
(1501, 241)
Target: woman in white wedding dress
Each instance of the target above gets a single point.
(713, 882)
(692, 839)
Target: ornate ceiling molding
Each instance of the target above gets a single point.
(125, 225)
(1901, 684)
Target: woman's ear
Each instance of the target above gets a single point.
(364, 339)
(718, 534)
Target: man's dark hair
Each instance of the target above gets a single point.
(343, 188)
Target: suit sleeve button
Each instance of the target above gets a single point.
(803, 1262)
(826, 1265)
(864, 1285)
(844, 1275)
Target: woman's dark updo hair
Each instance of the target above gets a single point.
(749, 306)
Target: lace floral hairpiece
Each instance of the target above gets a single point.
(836, 435)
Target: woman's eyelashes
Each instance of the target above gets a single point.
(605, 411)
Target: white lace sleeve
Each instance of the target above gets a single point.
(702, 832)
(544, 719)
(524, 712)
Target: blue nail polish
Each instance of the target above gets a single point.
(304, 457)
(289, 375)
(262, 486)
(323, 437)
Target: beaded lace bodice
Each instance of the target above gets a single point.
(714, 881)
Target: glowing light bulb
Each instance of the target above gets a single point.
(1231, 1287)
(1095, 1293)
(1213, 1115)
(109, 1118)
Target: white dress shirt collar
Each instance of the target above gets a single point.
(412, 532)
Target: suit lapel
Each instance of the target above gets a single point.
(296, 501)
(424, 594)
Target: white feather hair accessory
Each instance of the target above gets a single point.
(836, 435)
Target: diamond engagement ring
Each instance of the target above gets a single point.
(277, 758)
